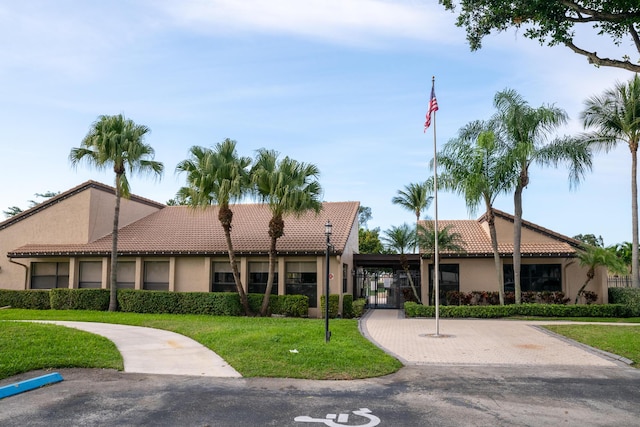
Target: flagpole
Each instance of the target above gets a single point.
(436, 269)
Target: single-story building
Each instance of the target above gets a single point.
(66, 242)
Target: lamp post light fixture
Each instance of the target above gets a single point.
(327, 333)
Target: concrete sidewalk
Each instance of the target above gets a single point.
(475, 342)
(156, 351)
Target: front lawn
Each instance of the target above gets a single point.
(255, 347)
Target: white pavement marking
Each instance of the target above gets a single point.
(156, 351)
(476, 342)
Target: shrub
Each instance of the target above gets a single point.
(79, 299)
(211, 303)
(496, 311)
(29, 299)
(627, 296)
(347, 306)
(359, 306)
(334, 304)
(285, 305)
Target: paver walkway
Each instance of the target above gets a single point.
(476, 342)
(156, 351)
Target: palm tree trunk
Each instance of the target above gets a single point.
(517, 236)
(590, 275)
(496, 254)
(634, 216)
(264, 309)
(113, 285)
(236, 275)
(225, 216)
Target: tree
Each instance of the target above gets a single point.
(593, 257)
(369, 241)
(414, 198)
(288, 187)
(590, 239)
(525, 131)
(15, 210)
(616, 117)
(364, 215)
(447, 241)
(474, 167)
(624, 251)
(554, 22)
(118, 143)
(220, 176)
(400, 240)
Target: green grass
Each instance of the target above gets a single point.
(621, 340)
(27, 346)
(255, 347)
(582, 319)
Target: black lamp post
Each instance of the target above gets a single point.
(327, 332)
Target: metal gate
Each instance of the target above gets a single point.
(386, 289)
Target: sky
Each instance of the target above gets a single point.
(343, 84)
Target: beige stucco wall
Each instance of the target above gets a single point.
(478, 274)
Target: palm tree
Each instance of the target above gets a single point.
(616, 116)
(400, 240)
(447, 240)
(415, 198)
(593, 257)
(288, 187)
(473, 166)
(218, 176)
(525, 131)
(117, 142)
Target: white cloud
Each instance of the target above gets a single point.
(358, 22)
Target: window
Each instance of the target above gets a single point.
(345, 271)
(49, 275)
(90, 274)
(223, 280)
(156, 276)
(448, 281)
(258, 275)
(534, 277)
(302, 280)
(126, 275)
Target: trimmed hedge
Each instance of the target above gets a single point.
(496, 311)
(627, 296)
(284, 305)
(347, 306)
(359, 306)
(79, 299)
(334, 304)
(29, 299)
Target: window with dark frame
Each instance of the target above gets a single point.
(345, 282)
(126, 275)
(258, 276)
(448, 281)
(156, 276)
(222, 278)
(302, 279)
(534, 277)
(49, 275)
(90, 275)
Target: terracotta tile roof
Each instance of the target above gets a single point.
(183, 230)
(477, 242)
(69, 193)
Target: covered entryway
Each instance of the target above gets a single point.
(384, 283)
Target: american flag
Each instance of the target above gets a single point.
(433, 107)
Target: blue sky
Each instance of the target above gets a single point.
(342, 84)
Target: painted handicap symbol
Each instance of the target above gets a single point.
(328, 420)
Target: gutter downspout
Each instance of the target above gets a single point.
(26, 272)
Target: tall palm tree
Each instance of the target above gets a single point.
(218, 176)
(400, 240)
(474, 167)
(414, 198)
(593, 257)
(616, 116)
(526, 131)
(117, 142)
(288, 187)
